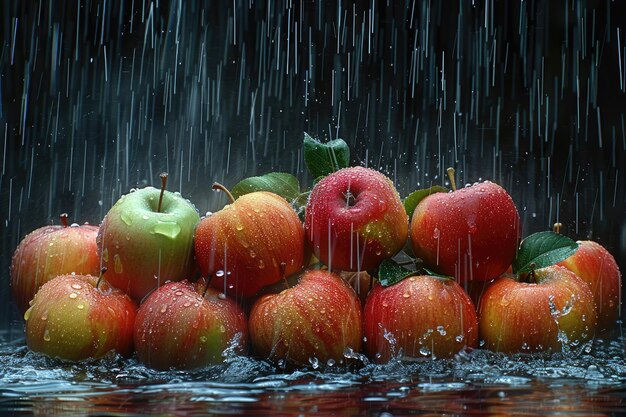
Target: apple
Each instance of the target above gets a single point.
(471, 233)
(597, 267)
(146, 239)
(420, 316)
(51, 251)
(355, 219)
(76, 317)
(181, 326)
(548, 308)
(319, 317)
(251, 243)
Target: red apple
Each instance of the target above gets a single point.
(555, 309)
(179, 327)
(421, 315)
(470, 234)
(249, 244)
(70, 318)
(597, 267)
(319, 317)
(51, 251)
(355, 219)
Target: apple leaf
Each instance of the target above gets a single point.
(431, 273)
(283, 184)
(413, 199)
(542, 249)
(390, 272)
(324, 158)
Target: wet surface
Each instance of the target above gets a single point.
(590, 380)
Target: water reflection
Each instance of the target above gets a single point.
(588, 381)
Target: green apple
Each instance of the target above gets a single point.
(146, 239)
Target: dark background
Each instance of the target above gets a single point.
(98, 97)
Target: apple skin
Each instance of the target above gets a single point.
(72, 319)
(597, 267)
(518, 316)
(482, 217)
(141, 247)
(355, 235)
(177, 327)
(243, 245)
(51, 251)
(426, 315)
(318, 317)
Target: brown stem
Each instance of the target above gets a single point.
(208, 283)
(557, 227)
(102, 272)
(283, 266)
(450, 172)
(218, 186)
(163, 184)
(532, 276)
(63, 217)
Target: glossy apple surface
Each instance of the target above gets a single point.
(539, 316)
(142, 247)
(317, 318)
(355, 219)
(471, 233)
(177, 327)
(250, 244)
(72, 319)
(51, 251)
(597, 267)
(421, 316)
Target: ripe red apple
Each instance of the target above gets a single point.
(471, 233)
(422, 315)
(597, 267)
(355, 219)
(249, 244)
(51, 251)
(180, 327)
(555, 309)
(319, 317)
(146, 239)
(70, 318)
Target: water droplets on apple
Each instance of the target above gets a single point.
(219, 273)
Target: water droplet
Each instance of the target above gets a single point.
(167, 229)
(77, 286)
(27, 313)
(73, 295)
(252, 254)
(203, 339)
(436, 233)
(163, 309)
(219, 273)
(178, 293)
(222, 329)
(261, 264)
(80, 307)
(46, 335)
(221, 296)
(117, 264)
(126, 219)
(406, 295)
(239, 227)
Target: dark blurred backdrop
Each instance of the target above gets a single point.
(101, 96)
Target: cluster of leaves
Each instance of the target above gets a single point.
(538, 250)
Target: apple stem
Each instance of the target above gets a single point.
(208, 283)
(283, 267)
(102, 272)
(451, 172)
(163, 184)
(63, 217)
(218, 186)
(557, 227)
(533, 278)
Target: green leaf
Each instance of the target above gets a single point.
(324, 158)
(285, 185)
(435, 274)
(542, 249)
(389, 273)
(299, 204)
(413, 199)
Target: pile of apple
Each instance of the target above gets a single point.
(308, 277)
